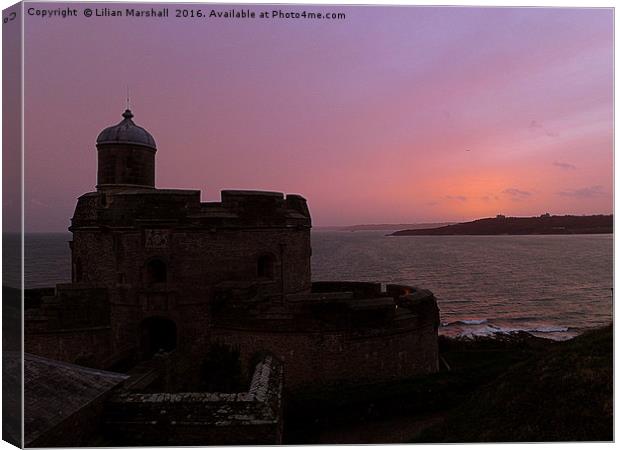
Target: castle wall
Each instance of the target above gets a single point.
(196, 262)
(232, 255)
(327, 358)
(194, 259)
(73, 325)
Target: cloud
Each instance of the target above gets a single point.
(37, 202)
(460, 198)
(565, 166)
(431, 203)
(516, 194)
(585, 192)
(536, 125)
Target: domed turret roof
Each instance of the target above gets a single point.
(126, 132)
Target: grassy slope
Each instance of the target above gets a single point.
(561, 394)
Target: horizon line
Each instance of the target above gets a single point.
(368, 224)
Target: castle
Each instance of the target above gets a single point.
(160, 278)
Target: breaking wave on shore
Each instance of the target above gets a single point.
(484, 327)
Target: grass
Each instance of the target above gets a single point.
(504, 388)
(563, 393)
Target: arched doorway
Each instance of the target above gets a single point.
(158, 334)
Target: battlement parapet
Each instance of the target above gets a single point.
(182, 208)
(361, 308)
(360, 289)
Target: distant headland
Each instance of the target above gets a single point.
(544, 224)
(383, 226)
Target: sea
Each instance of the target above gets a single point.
(554, 286)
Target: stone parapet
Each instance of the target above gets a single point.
(201, 418)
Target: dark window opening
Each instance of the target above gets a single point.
(156, 271)
(266, 266)
(77, 270)
(158, 335)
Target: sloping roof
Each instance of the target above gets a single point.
(55, 390)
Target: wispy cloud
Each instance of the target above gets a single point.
(37, 202)
(516, 194)
(535, 125)
(585, 192)
(460, 198)
(565, 166)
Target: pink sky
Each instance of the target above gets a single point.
(396, 114)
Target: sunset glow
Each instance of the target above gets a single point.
(393, 115)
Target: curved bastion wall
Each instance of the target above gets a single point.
(318, 359)
(357, 334)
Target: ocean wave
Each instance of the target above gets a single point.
(549, 330)
(543, 329)
(481, 327)
(465, 322)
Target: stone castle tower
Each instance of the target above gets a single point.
(163, 255)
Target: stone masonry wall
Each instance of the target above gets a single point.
(196, 260)
(312, 359)
(73, 325)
